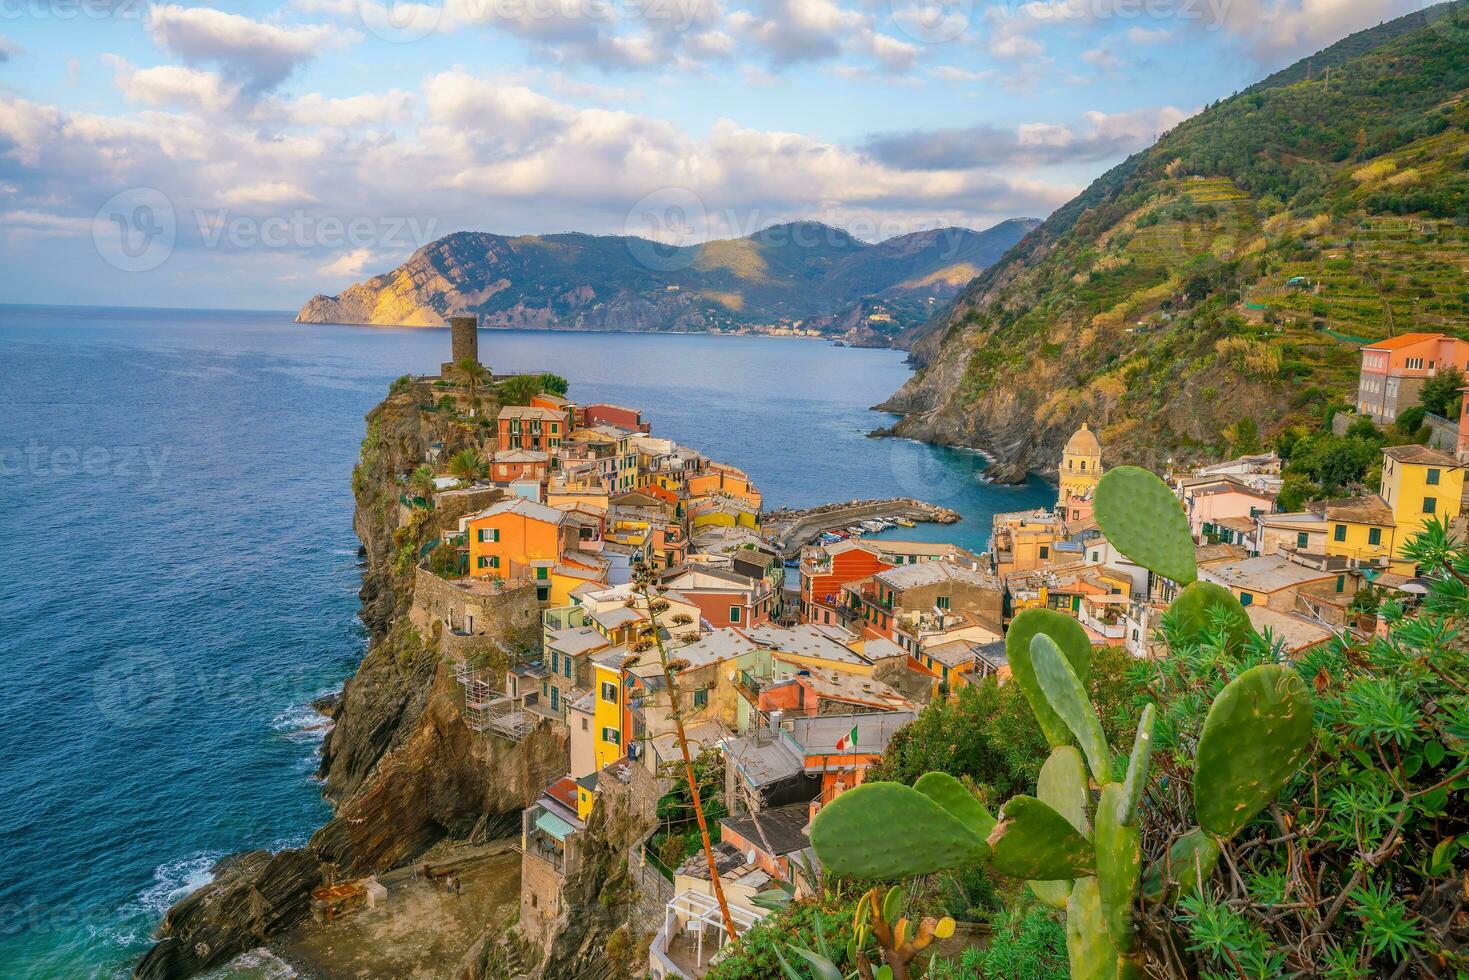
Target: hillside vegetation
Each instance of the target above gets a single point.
(1233, 269)
(803, 274)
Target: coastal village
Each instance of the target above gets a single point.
(672, 614)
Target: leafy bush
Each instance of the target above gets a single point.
(1025, 944)
(1409, 419)
(754, 956)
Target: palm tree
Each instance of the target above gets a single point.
(468, 465)
(421, 482)
(473, 375)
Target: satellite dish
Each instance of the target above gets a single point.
(750, 856)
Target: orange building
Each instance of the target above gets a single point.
(727, 481)
(1394, 370)
(519, 464)
(516, 538)
(823, 573)
(530, 427)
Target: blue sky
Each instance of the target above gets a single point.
(253, 154)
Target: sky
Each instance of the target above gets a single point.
(250, 155)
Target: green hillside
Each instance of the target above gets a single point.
(1231, 270)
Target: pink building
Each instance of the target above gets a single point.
(1209, 500)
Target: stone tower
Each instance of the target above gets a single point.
(1081, 464)
(464, 333)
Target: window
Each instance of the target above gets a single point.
(701, 697)
(567, 666)
(489, 534)
(1341, 583)
(542, 572)
(1302, 539)
(482, 561)
(611, 736)
(1374, 535)
(1340, 532)
(1433, 478)
(609, 692)
(942, 602)
(734, 614)
(543, 592)
(1045, 552)
(555, 661)
(1430, 504)
(1245, 598)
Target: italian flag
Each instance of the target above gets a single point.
(848, 740)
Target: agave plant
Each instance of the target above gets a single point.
(1077, 840)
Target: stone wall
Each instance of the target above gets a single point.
(540, 898)
(465, 615)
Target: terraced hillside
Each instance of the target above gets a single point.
(1231, 270)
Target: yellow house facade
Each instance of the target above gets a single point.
(609, 738)
(1081, 463)
(1360, 529)
(1419, 484)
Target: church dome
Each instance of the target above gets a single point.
(1083, 442)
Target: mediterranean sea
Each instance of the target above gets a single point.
(180, 573)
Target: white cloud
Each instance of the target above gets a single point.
(174, 85)
(951, 73)
(1103, 59)
(1145, 35)
(270, 192)
(255, 54)
(349, 264)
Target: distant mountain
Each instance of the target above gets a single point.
(1228, 273)
(803, 273)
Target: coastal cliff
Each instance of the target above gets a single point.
(1224, 279)
(400, 766)
(803, 275)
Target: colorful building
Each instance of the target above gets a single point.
(1360, 529)
(515, 538)
(1419, 484)
(1394, 370)
(529, 427)
(1081, 465)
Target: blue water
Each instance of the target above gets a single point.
(180, 571)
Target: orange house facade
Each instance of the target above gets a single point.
(530, 427)
(1393, 371)
(514, 539)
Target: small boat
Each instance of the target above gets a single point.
(842, 535)
(903, 522)
(872, 526)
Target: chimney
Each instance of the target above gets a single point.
(464, 337)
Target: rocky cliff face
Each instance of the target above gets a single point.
(804, 272)
(400, 765)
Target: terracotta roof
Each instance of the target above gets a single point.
(1420, 454)
(1367, 509)
(1406, 340)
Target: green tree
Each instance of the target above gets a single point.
(1295, 492)
(554, 384)
(1409, 420)
(1440, 394)
(519, 389)
(467, 465)
(1243, 436)
(421, 482)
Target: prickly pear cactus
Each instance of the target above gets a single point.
(1144, 520)
(1137, 767)
(888, 830)
(1118, 846)
(955, 797)
(1090, 949)
(1072, 640)
(1062, 786)
(1254, 739)
(1189, 862)
(1068, 698)
(1031, 840)
(1197, 605)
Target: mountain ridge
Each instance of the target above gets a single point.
(803, 274)
(1229, 271)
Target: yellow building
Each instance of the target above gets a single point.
(1418, 485)
(1081, 463)
(1361, 529)
(608, 711)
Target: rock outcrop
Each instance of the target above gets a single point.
(400, 765)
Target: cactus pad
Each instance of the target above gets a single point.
(1194, 609)
(888, 830)
(1033, 841)
(1137, 768)
(1144, 520)
(1119, 858)
(1071, 638)
(1052, 893)
(1254, 739)
(955, 797)
(1190, 860)
(1069, 700)
(1089, 949)
(1062, 786)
